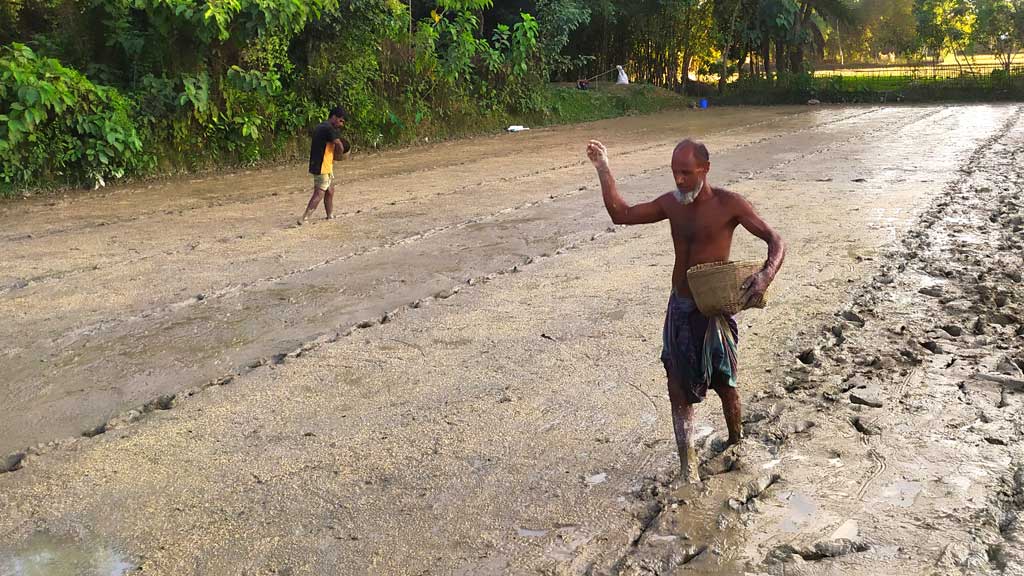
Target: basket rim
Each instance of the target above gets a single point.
(727, 264)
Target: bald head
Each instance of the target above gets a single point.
(697, 149)
(690, 165)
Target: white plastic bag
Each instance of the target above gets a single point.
(623, 79)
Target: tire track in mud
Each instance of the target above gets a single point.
(298, 189)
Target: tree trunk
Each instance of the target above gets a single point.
(687, 46)
(796, 56)
(723, 76)
(839, 40)
(796, 59)
(780, 57)
(725, 48)
(687, 58)
(766, 55)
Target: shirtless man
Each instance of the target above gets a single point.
(703, 220)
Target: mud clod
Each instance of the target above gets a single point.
(866, 427)
(11, 462)
(867, 397)
(952, 329)
(854, 318)
(820, 550)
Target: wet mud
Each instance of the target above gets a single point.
(174, 286)
(912, 464)
(507, 415)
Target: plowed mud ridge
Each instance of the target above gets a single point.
(460, 375)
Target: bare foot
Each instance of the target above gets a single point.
(330, 217)
(689, 469)
(686, 491)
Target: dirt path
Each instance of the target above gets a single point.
(116, 299)
(519, 425)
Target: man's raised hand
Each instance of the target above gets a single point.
(598, 154)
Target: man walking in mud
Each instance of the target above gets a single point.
(702, 219)
(322, 150)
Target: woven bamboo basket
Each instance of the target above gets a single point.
(716, 286)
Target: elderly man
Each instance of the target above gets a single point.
(703, 219)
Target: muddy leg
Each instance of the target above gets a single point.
(731, 407)
(682, 423)
(314, 201)
(329, 202)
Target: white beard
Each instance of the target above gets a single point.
(688, 197)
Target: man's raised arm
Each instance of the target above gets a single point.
(618, 209)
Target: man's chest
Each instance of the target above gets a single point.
(700, 227)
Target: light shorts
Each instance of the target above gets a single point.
(323, 181)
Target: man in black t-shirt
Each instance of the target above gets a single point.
(325, 146)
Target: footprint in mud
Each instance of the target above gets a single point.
(788, 430)
(724, 463)
(800, 508)
(808, 357)
(901, 493)
(746, 498)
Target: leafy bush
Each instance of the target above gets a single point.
(59, 126)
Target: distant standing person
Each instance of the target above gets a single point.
(326, 144)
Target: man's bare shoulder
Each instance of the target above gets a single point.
(733, 200)
(666, 202)
(726, 195)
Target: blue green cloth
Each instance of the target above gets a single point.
(695, 347)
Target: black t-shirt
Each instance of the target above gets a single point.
(321, 151)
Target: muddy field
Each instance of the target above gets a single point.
(460, 375)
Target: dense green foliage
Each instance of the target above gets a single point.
(57, 122)
(93, 89)
(96, 89)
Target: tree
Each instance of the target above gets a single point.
(889, 25)
(561, 18)
(945, 26)
(1000, 28)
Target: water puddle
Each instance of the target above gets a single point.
(800, 509)
(902, 493)
(48, 555)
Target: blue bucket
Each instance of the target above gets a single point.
(703, 103)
